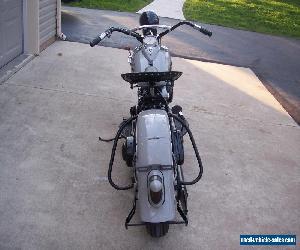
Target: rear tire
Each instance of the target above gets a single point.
(157, 230)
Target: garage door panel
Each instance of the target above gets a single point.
(47, 20)
(10, 3)
(11, 30)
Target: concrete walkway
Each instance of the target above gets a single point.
(54, 193)
(166, 8)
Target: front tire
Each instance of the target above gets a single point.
(157, 230)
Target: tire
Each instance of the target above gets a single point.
(157, 230)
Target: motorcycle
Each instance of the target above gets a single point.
(153, 135)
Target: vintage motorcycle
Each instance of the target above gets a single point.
(153, 135)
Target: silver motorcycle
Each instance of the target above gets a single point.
(153, 135)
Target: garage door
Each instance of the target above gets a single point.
(11, 30)
(47, 22)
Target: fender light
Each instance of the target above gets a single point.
(155, 190)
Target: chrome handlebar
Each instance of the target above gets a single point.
(167, 27)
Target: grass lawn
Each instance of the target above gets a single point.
(120, 5)
(279, 17)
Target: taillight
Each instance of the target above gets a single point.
(155, 188)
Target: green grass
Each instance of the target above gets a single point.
(278, 17)
(119, 5)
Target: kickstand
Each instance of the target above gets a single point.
(183, 216)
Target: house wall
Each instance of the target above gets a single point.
(58, 18)
(27, 26)
(31, 26)
(42, 23)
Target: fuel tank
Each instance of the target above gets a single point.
(151, 58)
(154, 162)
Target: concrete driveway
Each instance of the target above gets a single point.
(54, 193)
(275, 60)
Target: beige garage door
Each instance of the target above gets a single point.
(47, 19)
(11, 30)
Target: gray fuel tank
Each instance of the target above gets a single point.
(150, 57)
(153, 154)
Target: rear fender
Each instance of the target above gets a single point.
(154, 157)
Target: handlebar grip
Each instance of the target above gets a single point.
(203, 30)
(98, 39)
(206, 32)
(95, 41)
